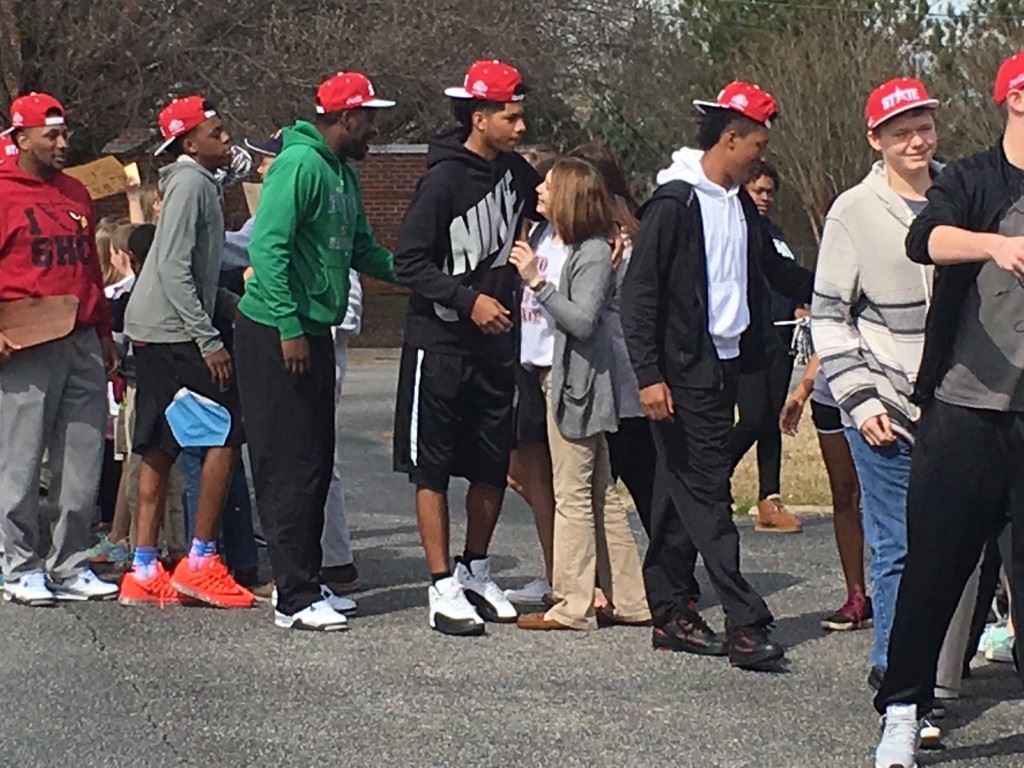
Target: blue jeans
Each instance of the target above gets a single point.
(239, 542)
(884, 475)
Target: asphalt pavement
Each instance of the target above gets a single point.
(101, 685)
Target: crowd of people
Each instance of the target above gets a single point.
(559, 337)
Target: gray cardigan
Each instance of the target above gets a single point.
(583, 394)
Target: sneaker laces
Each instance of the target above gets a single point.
(213, 575)
(902, 730)
(853, 608)
(694, 621)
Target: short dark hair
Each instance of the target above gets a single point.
(464, 109)
(764, 168)
(329, 118)
(716, 122)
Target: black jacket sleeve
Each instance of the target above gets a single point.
(948, 200)
(646, 284)
(784, 276)
(423, 245)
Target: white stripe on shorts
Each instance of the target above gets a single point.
(414, 426)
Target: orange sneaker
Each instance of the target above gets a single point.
(156, 590)
(773, 517)
(210, 583)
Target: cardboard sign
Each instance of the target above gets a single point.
(131, 172)
(252, 195)
(102, 178)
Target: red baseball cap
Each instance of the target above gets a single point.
(30, 111)
(180, 116)
(348, 90)
(1010, 77)
(489, 80)
(894, 97)
(745, 98)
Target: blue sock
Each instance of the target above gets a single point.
(144, 562)
(201, 549)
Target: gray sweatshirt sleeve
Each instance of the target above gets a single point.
(179, 217)
(591, 281)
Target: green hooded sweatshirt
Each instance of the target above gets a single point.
(310, 228)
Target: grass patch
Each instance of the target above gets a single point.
(804, 480)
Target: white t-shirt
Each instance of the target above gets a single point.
(537, 339)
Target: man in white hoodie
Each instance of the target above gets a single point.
(695, 313)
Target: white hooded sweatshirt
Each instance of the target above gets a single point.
(725, 250)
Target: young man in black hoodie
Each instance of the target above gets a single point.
(454, 410)
(695, 313)
(965, 475)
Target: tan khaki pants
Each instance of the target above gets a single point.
(592, 536)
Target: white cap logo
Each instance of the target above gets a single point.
(17, 118)
(479, 87)
(899, 96)
(739, 101)
(176, 126)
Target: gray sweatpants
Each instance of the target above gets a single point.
(336, 541)
(53, 397)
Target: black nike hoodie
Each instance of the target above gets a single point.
(454, 243)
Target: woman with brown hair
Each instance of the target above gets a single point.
(572, 279)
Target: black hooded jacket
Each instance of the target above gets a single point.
(454, 244)
(665, 293)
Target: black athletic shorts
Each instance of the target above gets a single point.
(160, 371)
(531, 410)
(827, 419)
(453, 417)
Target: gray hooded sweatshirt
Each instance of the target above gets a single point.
(176, 291)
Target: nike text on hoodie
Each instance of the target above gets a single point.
(725, 249)
(48, 243)
(454, 244)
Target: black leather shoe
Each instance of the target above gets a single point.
(750, 648)
(688, 634)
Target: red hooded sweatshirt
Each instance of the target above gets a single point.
(48, 243)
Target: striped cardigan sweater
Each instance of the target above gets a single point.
(870, 305)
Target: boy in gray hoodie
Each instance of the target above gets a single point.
(178, 351)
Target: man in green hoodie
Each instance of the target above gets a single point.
(310, 229)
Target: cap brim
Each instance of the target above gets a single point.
(707, 106)
(924, 104)
(263, 147)
(8, 132)
(377, 104)
(164, 146)
(461, 93)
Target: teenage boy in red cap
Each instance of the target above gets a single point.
(965, 475)
(310, 229)
(53, 395)
(169, 320)
(868, 324)
(696, 313)
(454, 408)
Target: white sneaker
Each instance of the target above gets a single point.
(29, 589)
(483, 593)
(900, 737)
(319, 617)
(340, 603)
(450, 612)
(84, 585)
(530, 594)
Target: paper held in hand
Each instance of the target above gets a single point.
(252, 195)
(36, 320)
(102, 178)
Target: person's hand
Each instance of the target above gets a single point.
(110, 357)
(656, 401)
(789, 416)
(801, 312)
(489, 315)
(524, 260)
(295, 353)
(219, 364)
(618, 244)
(878, 431)
(1009, 255)
(7, 348)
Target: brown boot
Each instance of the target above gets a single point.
(773, 517)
